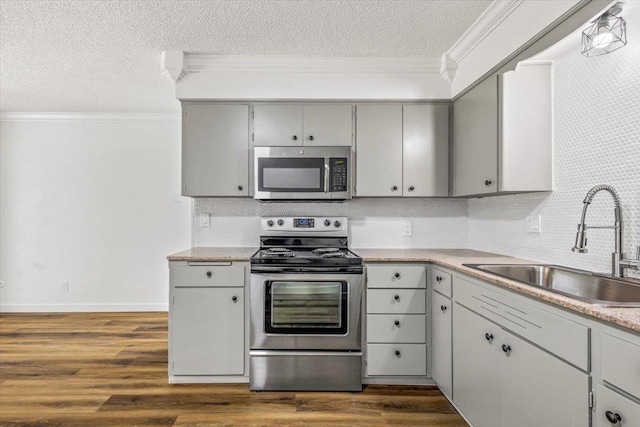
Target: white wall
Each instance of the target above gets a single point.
(91, 200)
(597, 140)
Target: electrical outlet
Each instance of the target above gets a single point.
(534, 224)
(203, 220)
(407, 229)
(1, 283)
(65, 286)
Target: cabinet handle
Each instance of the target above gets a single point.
(396, 275)
(489, 337)
(240, 187)
(209, 274)
(294, 137)
(397, 353)
(412, 188)
(438, 279)
(613, 417)
(396, 297)
(394, 188)
(487, 182)
(234, 299)
(506, 349)
(397, 323)
(310, 137)
(443, 308)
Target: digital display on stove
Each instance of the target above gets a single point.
(303, 223)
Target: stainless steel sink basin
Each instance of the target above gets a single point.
(583, 285)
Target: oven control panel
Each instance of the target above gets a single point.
(331, 226)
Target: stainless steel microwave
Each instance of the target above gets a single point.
(302, 173)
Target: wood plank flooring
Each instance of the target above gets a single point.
(110, 369)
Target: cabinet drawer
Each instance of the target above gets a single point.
(396, 276)
(621, 364)
(441, 282)
(396, 359)
(204, 275)
(396, 301)
(610, 401)
(399, 328)
(567, 339)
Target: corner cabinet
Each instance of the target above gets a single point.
(441, 324)
(302, 125)
(207, 337)
(402, 150)
(215, 149)
(502, 134)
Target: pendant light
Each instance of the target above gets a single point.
(606, 33)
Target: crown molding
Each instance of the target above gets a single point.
(168, 118)
(203, 63)
(497, 12)
(172, 64)
(448, 67)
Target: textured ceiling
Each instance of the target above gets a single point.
(103, 56)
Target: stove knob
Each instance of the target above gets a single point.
(270, 223)
(337, 223)
(280, 221)
(327, 222)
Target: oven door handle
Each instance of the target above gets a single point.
(302, 270)
(326, 176)
(355, 353)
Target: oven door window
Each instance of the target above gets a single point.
(291, 174)
(306, 307)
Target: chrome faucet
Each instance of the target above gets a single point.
(618, 261)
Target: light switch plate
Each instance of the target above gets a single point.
(534, 224)
(407, 229)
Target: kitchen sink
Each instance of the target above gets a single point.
(583, 285)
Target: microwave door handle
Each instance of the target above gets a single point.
(326, 177)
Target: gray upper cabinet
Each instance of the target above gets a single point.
(502, 134)
(402, 150)
(215, 150)
(425, 150)
(379, 150)
(296, 125)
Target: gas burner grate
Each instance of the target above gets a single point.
(334, 255)
(324, 251)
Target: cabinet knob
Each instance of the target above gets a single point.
(397, 275)
(240, 187)
(310, 137)
(397, 353)
(438, 279)
(613, 417)
(394, 188)
(396, 297)
(412, 188)
(397, 323)
(506, 349)
(209, 274)
(488, 337)
(487, 182)
(443, 308)
(234, 299)
(294, 137)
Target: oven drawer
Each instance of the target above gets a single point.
(396, 276)
(396, 359)
(396, 301)
(396, 328)
(225, 274)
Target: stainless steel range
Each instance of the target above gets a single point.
(306, 296)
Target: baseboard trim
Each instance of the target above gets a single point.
(80, 308)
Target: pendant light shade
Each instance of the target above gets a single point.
(605, 34)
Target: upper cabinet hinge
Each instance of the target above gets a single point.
(591, 403)
(253, 136)
(253, 114)
(184, 112)
(173, 297)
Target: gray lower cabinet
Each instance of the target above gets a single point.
(207, 320)
(441, 356)
(500, 379)
(215, 149)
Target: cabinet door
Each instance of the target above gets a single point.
(379, 150)
(538, 389)
(215, 150)
(475, 140)
(277, 125)
(207, 331)
(441, 342)
(425, 145)
(618, 406)
(328, 125)
(476, 368)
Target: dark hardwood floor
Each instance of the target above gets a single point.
(110, 369)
